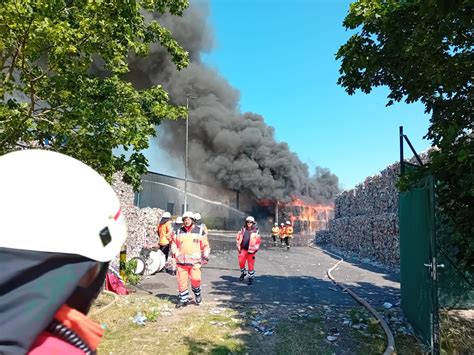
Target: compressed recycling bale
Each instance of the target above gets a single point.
(141, 222)
(366, 218)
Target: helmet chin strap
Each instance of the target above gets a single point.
(88, 288)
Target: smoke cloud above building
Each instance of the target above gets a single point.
(226, 147)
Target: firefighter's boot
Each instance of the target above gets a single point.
(243, 273)
(181, 304)
(197, 295)
(251, 277)
(183, 299)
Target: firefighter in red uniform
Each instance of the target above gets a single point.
(190, 249)
(54, 267)
(248, 242)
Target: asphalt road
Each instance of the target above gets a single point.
(284, 277)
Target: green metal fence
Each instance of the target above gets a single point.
(430, 277)
(455, 284)
(419, 301)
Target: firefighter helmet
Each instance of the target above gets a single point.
(188, 214)
(79, 213)
(288, 222)
(250, 219)
(166, 215)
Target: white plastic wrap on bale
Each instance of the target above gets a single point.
(141, 222)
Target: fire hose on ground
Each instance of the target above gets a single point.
(390, 349)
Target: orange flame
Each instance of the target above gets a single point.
(306, 218)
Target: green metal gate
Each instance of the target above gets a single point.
(430, 277)
(417, 245)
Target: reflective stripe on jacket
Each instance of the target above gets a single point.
(165, 232)
(255, 240)
(189, 248)
(276, 231)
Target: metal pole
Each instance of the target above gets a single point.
(402, 165)
(186, 157)
(276, 212)
(188, 96)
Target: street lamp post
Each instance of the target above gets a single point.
(188, 96)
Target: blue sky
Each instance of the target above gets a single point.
(280, 56)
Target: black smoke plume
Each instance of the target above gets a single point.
(235, 150)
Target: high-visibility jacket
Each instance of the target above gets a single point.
(165, 231)
(275, 230)
(255, 240)
(282, 232)
(289, 231)
(191, 246)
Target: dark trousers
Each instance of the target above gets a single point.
(165, 249)
(287, 241)
(274, 237)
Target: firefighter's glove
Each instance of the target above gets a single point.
(204, 261)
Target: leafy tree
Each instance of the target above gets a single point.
(49, 94)
(423, 51)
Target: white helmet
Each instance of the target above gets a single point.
(166, 215)
(250, 219)
(54, 203)
(179, 219)
(288, 222)
(275, 224)
(197, 216)
(188, 214)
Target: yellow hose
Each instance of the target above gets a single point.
(100, 310)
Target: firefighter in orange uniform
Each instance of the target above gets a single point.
(165, 232)
(288, 234)
(282, 234)
(275, 233)
(248, 242)
(190, 248)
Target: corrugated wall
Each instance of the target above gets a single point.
(167, 192)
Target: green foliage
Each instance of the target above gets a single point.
(357, 316)
(152, 314)
(423, 51)
(48, 89)
(129, 268)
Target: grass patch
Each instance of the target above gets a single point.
(371, 338)
(457, 334)
(303, 336)
(191, 330)
(209, 329)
